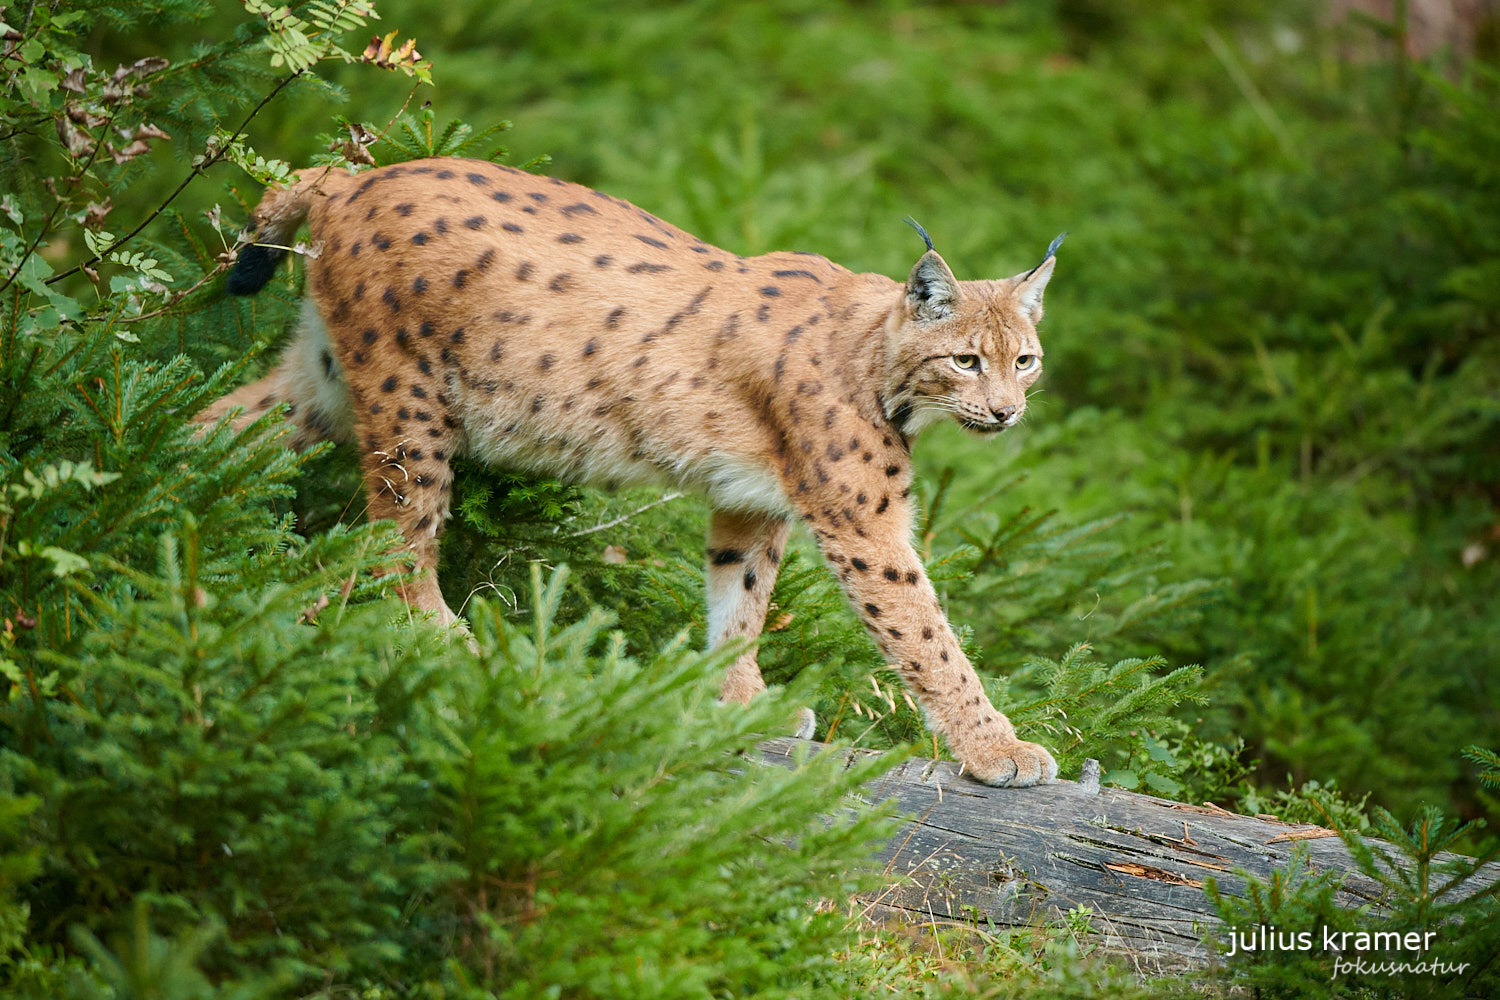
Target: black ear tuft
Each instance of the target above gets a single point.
(255, 267)
(920, 231)
(1057, 241)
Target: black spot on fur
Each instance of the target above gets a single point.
(419, 286)
(424, 366)
(474, 221)
(750, 579)
(770, 291)
(420, 239)
(796, 274)
(727, 557)
(859, 564)
(380, 242)
(884, 503)
(578, 209)
(561, 282)
(327, 360)
(368, 336)
(715, 265)
(648, 268)
(893, 470)
(570, 238)
(389, 298)
(763, 313)
(651, 242)
(419, 392)
(590, 347)
(483, 262)
(613, 319)
(872, 610)
(603, 260)
(477, 178)
(461, 278)
(500, 196)
(524, 271)
(389, 385)
(511, 227)
(376, 408)
(426, 329)
(444, 175)
(892, 575)
(404, 209)
(546, 361)
(537, 196)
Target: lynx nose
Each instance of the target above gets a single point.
(1004, 414)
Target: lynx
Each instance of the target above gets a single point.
(456, 307)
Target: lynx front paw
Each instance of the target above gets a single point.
(1010, 764)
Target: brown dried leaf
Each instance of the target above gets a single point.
(614, 554)
(384, 53)
(310, 615)
(354, 148)
(94, 217)
(78, 142)
(130, 152)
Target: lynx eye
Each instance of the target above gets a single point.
(1026, 362)
(966, 362)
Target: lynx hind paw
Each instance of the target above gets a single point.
(806, 724)
(1016, 764)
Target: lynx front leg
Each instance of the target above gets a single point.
(868, 544)
(744, 554)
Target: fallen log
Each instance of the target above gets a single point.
(1018, 857)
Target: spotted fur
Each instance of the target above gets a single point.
(456, 307)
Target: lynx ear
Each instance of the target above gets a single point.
(931, 291)
(1031, 285)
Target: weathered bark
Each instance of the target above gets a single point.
(1021, 856)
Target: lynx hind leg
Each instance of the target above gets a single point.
(308, 380)
(744, 555)
(406, 437)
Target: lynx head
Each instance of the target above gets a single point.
(964, 348)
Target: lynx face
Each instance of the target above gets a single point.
(967, 350)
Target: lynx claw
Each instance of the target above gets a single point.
(1016, 764)
(807, 724)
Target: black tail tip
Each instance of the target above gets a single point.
(255, 267)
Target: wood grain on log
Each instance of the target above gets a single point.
(1019, 857)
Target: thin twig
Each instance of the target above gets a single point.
(176, 298)
(625, 517)
(198, 169)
